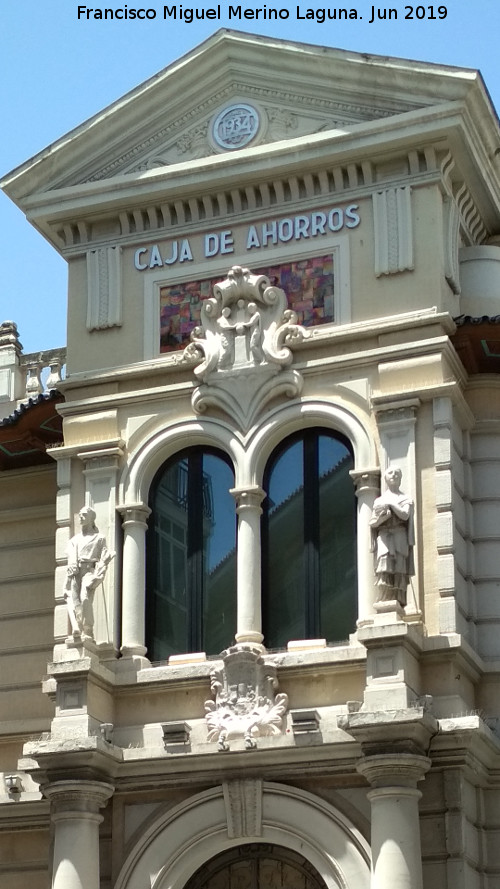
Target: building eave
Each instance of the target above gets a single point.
(449, 124)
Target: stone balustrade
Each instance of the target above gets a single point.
(25, 375)
(36, 365)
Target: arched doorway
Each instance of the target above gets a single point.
(257, 866)
(293, 833)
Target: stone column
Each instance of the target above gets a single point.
(249, 511)
(134, 524)
(367, 489)
(75, 815)
(395, 836)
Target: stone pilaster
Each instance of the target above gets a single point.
(249, 511)
(75, 814)
(104, 273)
(134, 522)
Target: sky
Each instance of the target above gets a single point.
(57, 70)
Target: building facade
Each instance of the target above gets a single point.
(268, 485)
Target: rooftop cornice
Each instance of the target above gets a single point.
(410, 128)
(377, 140)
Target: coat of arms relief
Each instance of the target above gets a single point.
(242, 348)
(246, 703)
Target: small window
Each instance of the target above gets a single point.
(191, 556)
(309, 587)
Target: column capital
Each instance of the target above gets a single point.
(78, 798)
(388, 770)
(134, 514)
(249, 497)
(366, 481)
(395, 410)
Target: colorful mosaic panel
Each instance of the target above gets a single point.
(308, 284)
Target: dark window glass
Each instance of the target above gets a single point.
(191, 562)
(309, 540)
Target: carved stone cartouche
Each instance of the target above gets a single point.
(243, 346)
(246, 704)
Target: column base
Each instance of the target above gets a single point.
(133, 651)
(250, 636)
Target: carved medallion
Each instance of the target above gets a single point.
(235, 126)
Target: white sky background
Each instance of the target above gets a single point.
(56, 71)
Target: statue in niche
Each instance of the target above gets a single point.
(393, 539)
(88, 560)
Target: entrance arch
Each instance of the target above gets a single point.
(177, 843)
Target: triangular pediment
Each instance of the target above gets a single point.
(288, 90)
(277, 112)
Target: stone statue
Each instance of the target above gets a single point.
(253, 326)
(88, 559)
(393, 539)
(227, 338)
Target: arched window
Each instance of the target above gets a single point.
(309, 587)
(257, 866)
(191, 556)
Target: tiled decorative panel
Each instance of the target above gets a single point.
(308, 284)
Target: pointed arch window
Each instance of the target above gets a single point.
(191, 556)
(309, 583)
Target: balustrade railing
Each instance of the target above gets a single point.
(44, 370)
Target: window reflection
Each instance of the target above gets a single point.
(191, 567)
(308, 537)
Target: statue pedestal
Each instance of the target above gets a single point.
(390, 610)
(392, 664)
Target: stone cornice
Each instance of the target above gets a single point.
(55, 212)
(328, 336)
